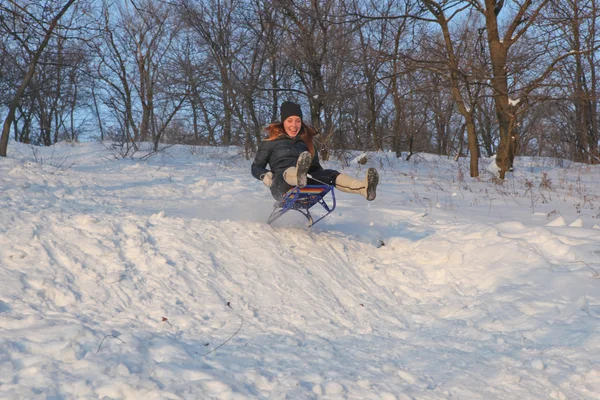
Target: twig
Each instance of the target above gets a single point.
(112, 336)
(225, 342)
(596, 272)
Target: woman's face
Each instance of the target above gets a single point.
(292, 125)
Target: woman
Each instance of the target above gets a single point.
(291, 155)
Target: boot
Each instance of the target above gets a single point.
(366, 188)
(296, 176)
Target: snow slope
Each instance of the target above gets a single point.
(159, 279)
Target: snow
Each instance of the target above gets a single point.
(159, 279)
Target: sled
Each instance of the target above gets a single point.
(302, 200)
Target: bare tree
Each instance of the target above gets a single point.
(114, 71)
(501, 37)
(373, 57)
(36, 49)
(142, 82)
(463, 84)
(214, 22)
(250, 70)
(577, 22)
(317, 46)
(194, 64)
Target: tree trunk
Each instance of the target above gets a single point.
(467, 112)
(498, 55)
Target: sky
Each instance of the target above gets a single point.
(159, 278)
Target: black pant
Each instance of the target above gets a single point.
(319, 177)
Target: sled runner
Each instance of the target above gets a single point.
(302, 199)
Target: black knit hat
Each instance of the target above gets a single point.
(289, 109)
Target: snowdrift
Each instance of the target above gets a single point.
(159, 279)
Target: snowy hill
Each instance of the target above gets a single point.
(159, 279)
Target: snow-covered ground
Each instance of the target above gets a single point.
(159, 279)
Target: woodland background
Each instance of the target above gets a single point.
(458, 78)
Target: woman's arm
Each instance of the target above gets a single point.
(259, 166)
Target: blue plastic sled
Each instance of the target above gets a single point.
(301, 200)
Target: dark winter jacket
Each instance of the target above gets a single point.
(280, 154)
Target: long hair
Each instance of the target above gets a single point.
(306, 134)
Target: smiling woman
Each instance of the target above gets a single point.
(291, 117)
(293, 160)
